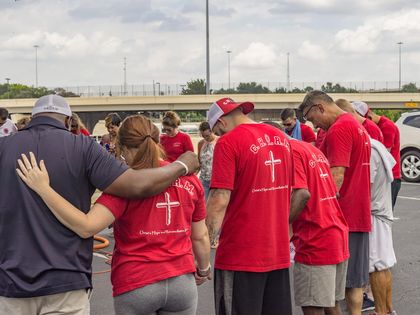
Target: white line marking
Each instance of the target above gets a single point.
(409, 198)
(413, 184)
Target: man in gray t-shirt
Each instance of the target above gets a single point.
(381, 251)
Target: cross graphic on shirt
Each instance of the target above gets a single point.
(272, 162)
(322, 174)
(168, 205)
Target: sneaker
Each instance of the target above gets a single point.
(368, 304)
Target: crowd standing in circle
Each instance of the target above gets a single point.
(260, 181)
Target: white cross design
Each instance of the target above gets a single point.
(322, 174)
(272, 162)
(168, 205)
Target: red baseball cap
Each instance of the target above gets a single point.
(223, 107)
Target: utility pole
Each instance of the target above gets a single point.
(228, 53)
(207, 50)
(288, 72)
(36, 65)
(399, 65)
(125, 76)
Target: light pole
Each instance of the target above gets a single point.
(36, 65)
(228, 53)
(399, 65)
(207, 50)
(158, 84)
(125, 76)
(288, 71)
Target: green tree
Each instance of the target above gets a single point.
(409, 88)
(252, 88)
(23, 91)
(197, 86)
(227, 91)
(329, 87)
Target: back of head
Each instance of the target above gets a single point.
(4, 113)
(345, 105)
(113, 119)
(287, 113)
(274, 124)
(52, 104)
(138, 132)
(171, 119)
(204, 126)
(314, 97)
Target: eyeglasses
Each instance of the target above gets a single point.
(287, 125)
(305, 115)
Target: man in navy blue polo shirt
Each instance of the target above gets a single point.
(44, 267)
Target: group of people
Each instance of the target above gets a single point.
(264, 187)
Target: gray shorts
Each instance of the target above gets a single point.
(358, 268)
(319, 286)
(172, 296)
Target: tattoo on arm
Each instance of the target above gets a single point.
(216, 208)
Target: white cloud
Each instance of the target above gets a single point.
(312, 51)
(257, 55)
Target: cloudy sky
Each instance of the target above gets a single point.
(84, 42)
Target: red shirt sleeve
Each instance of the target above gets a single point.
(188, 146)
(200, 206)
(338, 146)
(308, 135)
(224, 166)
(84, 132)
(389, 135)
(299, 171)
(115, 204)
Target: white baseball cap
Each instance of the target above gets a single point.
(51, 104)
(361, 107)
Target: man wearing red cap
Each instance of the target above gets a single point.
(249, 201)
(391, 142)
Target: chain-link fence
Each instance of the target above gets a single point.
(157, 89)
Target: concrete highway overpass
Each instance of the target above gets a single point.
(268, 106)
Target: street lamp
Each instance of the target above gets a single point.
(36, 65)
(399, 65)
(158, 84)
(207, 50)
(125, 76)
(228, 53)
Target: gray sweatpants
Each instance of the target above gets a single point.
(173, 296)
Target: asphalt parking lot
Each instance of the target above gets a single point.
(406, 274)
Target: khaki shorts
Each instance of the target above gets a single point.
(70, 303)
(319, 286)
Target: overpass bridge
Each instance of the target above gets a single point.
(267, 106)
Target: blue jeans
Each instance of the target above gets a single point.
(206, 185)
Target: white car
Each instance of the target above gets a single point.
(409, 126)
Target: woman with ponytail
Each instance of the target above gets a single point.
(174, 142)
(156, 239)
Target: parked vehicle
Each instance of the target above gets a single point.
(409, 126)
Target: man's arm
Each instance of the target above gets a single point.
(143, 183)
(216, 209)
(338, 175)
(298, 201)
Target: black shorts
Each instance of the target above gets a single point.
(358, 267)
(251, 293)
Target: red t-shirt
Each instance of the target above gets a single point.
(254, 162)
(373, 130)
(308, 135)
(83, 131)
(152, 235)
(320, 232)
(320, 137)
(175, 146)
(347, 145)
(391, 141)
